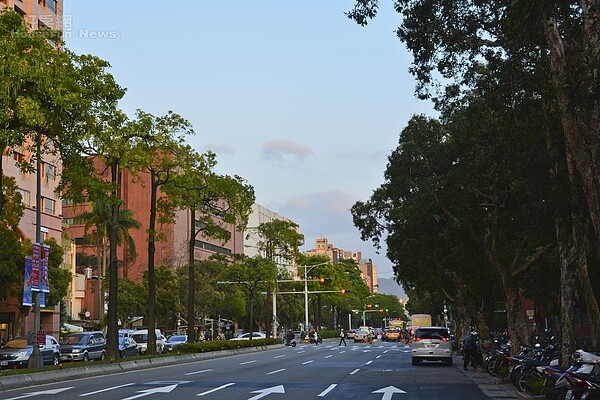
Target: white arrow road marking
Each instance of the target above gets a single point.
(267, 391)
(329, 389)
(199, 372)
(147, 392)
(388, 392)
(53, 391)
(215, 389)
(105, 390)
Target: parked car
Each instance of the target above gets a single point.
(431, 343)
(246, 336)
(16, 352)
(350, 334)
(173, 341)
(141, 338)
(83, 346)
(127, 347)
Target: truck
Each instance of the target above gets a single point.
(419, 320)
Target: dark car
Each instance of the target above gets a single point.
(173, 341)
(83, 346)
(16, 352)
(127, 347)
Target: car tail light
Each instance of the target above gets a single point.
(445, 339)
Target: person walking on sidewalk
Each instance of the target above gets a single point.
(342, 338)
(470, 350)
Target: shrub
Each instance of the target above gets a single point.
(215, 345)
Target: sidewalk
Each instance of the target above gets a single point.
(489, 385)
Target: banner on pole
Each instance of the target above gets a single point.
(27, 293)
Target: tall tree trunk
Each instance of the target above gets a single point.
(151, 271)
(112, 337)
(582, 140)
(192, 277)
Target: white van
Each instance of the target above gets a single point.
(141, 338)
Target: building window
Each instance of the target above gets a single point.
(49, 205)
(50, 172)
(25, 197)
(211, 247)
(51, 4)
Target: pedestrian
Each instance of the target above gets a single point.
(342, 337)
(470, 350)
(316, 337)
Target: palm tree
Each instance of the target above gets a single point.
(100, 218)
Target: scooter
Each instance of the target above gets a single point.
(289, 342)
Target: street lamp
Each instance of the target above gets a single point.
(307, 269)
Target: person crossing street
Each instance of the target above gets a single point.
(342, 337)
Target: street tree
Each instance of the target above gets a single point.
(160, 151)
(217, 205)
(251, 275)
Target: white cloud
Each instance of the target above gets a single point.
(278, 150)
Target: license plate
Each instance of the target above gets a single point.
(3, 362)
(430, 345)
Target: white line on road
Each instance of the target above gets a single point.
(329, 389)
(215, 389)
(301, 351)
(308, 362)
(385, 351)
(342, 352)
(199, 372)
(368, 362)
(104, 390)
(328, 356)
(276, 371)
(378, 356)
(247, 362)
(279, 356)
(355, 371)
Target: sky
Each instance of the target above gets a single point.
(292, 96)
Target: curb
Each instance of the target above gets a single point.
(86, 371)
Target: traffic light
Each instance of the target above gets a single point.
(376, 305)
(325, 280)
(369, 305)
(380, 310)
(344, 291)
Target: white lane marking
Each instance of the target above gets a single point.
(329, 389)
(247, 362)
(355, 371)
(368, 362)
(378, 356)
(104, 390)
(342, 352)
(301, 351)
(199, 372)
(276, 371)
(215, 389)
(328, 356)
(385, 351)
(308, 362)
(147, 392)
(282, 355)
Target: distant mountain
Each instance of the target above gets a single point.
(389, 286)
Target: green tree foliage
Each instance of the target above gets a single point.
(132, 301)
(251, 275)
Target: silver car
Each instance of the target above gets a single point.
(431, 343)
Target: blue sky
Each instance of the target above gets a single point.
(291, 95)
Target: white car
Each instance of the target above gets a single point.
(246, 336)
(431, 343)
(141, 338)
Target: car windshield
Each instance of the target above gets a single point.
(20, 343)
(432, 333)
(176, 339)
(140, 337)
(75, 339)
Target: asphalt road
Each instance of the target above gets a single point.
(307, 371)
